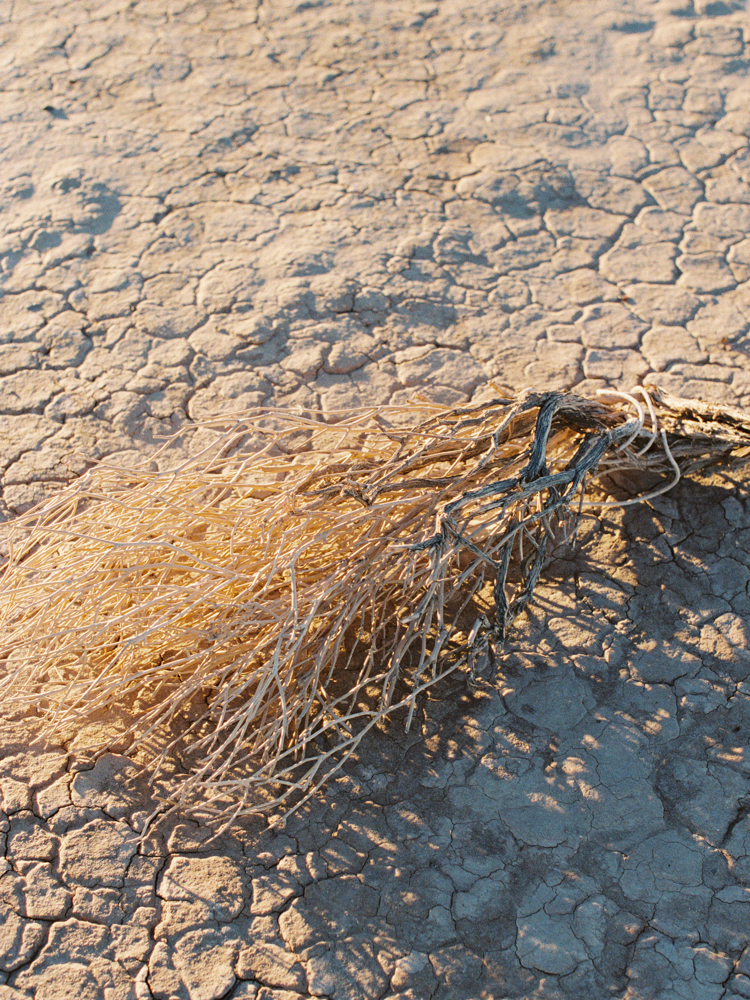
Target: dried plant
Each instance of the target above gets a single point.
(267, 602)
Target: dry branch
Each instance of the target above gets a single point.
(270, 600)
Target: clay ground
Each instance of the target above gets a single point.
(212, 205)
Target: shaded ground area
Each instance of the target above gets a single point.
(207, 206)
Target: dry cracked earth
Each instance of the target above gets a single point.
(212, 205)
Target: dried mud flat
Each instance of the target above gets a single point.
(208, 206)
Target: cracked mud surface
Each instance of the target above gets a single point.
(208, 206)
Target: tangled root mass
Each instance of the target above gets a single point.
(269, 600)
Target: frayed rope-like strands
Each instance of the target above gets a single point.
(638, 408)
(652, 494)
(304, 558)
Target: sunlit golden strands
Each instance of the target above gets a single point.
(305, 585)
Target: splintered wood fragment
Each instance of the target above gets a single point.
(258, 608)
